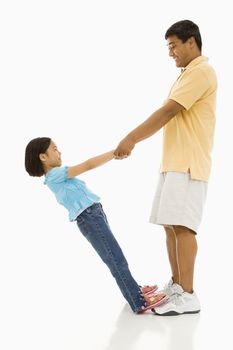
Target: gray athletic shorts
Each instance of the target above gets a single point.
(178, 200)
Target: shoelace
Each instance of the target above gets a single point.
(175, 298)
(166, 288)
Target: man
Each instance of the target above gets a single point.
(188, 118)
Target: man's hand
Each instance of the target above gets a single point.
(124, 148)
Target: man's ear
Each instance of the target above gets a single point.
(192, 41)
(42, 157)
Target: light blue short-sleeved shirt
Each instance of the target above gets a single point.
(72, 193)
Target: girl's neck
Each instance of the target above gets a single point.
(47, 169)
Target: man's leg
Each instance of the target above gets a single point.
(171, 242)
(186, 254)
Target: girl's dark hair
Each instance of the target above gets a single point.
(184, 30)
(33, 163)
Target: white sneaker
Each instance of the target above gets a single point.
(167, 289)
(179, 303)
(172, 288)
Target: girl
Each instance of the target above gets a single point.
(42, 157)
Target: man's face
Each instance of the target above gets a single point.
(179, 51)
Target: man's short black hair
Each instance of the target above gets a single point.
(184, 30)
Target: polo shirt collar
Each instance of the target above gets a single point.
(195, 62)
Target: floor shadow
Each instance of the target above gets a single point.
(174, 333)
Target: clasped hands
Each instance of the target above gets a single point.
(124, 148)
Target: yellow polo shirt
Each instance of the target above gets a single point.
(188, 137)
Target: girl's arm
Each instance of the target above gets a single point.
(90, 164)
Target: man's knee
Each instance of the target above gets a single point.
(178, 229)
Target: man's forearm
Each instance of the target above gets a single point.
(150, 126)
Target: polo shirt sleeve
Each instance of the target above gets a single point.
(58, 174)
(190, 88)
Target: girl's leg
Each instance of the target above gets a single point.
(94, 226)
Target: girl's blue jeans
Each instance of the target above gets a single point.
(93, 224)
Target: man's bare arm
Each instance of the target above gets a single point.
(149, 127)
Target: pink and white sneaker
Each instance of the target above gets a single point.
(147, 290)
(153, 300)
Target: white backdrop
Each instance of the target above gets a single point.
(85, 73)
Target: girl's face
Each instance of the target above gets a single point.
(51, 158)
